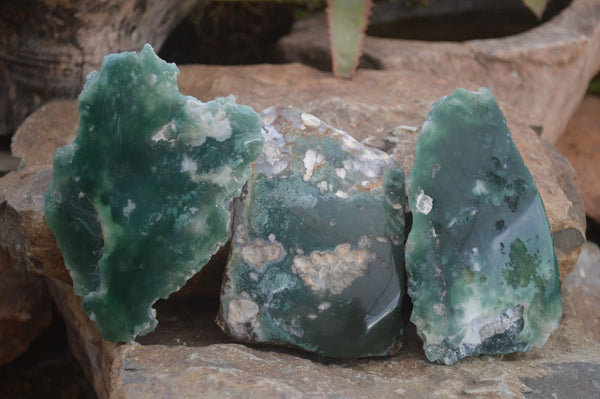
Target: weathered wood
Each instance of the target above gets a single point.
(47, 47)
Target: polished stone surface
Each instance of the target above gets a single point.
(317, 248)
(140, 200)
(482, 272)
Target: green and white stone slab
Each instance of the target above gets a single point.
(482, 272)
(317, 250)
(139, 201)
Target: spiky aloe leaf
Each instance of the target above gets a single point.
(537, 6)
(347, 20)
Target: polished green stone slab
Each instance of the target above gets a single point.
(482, 272)
(317, 248)
(139, 201)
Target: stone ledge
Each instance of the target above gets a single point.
(545, 70)
(188, 356)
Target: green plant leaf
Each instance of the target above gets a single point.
(347, 20)
(537, 6)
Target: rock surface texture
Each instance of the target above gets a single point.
(583, 285)
(545, 70)
(317, 247)
(212, 367)
(139, 202)
(482, 273)
(25, 308)
(392, 106)
(581, 145)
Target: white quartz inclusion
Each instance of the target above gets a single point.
(424, 203)
(205, 124)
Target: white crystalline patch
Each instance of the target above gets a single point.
(269, 116)
(348, 142)
(370, 169)
(472, 309)
(273, 159)
(480, 188)
(206, 124)
(323, 306)
(188, 165)
(341, 172)
(322, 186)
(381, 239)
(160, 136)
(310, 120)
(165, 133)
(369, 154)
(260, 253)
(463, 217)
(342, 194)
(332, 271)
(479, 329)
(241, 311)
(222, 177)
(153, 78)
(311, 160)
(128, 208)
(424, 203)
(80, 195)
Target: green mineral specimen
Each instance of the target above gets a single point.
(317, 243)
(482, 272)
(139, 201)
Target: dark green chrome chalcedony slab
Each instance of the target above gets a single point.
(481, 268)
(317, 249)
(139, 201)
